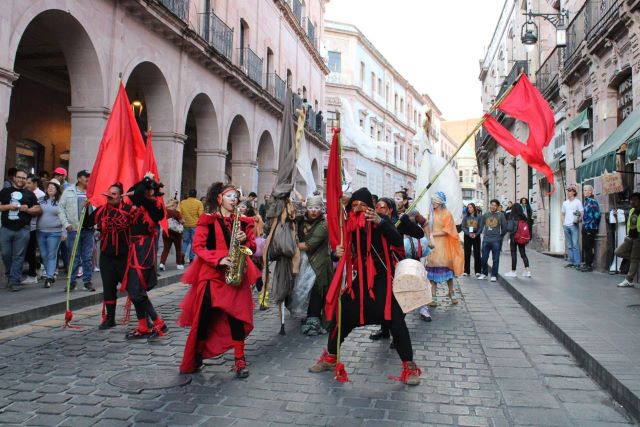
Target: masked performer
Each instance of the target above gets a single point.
(220, 315)
(141, 275)
(368, 298)
(113, 222)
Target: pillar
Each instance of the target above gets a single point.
(211, 165)
(87, 127)
(244, 175)
(266, 181)
(7, 77)
(168, 148)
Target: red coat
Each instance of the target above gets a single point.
(235, 301)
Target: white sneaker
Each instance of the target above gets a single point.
(494, 279)
(526, 274)
(180, 267)
(96, 269)
(30, 280)
(510, 274)
(465, 274)
(161, 267)
(481, 277)
(625, 284)
(478, 275)
(80, 272)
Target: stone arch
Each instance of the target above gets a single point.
(59, 73)
(240, 167)
(267, 168)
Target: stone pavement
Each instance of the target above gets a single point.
(598, 322)
(485, 362)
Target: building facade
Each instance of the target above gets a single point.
(208, 77)
(467, 164)
(591, 85)
(380, 112)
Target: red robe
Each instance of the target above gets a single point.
(235, 301)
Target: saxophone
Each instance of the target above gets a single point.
(237, 254)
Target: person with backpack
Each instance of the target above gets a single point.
(518, 240)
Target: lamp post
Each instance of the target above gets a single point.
(529, 31)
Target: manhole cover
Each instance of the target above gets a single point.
(149, 379)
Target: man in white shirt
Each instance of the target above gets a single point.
(571, 216)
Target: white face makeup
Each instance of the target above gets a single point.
(399, 201)
(314, 212)
(230, 200)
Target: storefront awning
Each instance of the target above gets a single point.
(581, 121)
(633, 148)
(603, 159)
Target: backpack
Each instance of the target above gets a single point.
(522, 235)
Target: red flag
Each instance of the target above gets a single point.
(121, 152)
(149, 165)
(334, 191)
(526, 104)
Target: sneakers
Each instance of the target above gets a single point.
(585, 268)
(494, 279)
(625, 284)
(380, 334)
(109, 322)
(179, 266)
(96, 269)
(410, 373)
(570, 265)
(327, 362)
(14, 287)
(30, 280)
(478, 275)
(510, 274)
(73, 286)
(425, 314)
(313, 327)
(80, 272)
(481, 277)
(161, 267)
(89, 287)
(526, 274)
(48, 282)
(465, 274)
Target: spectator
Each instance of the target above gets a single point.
(191, 208)
(252, 200)
(319, 120)
(472, 229)
(11, 174)
(507, 211)
(174, 238)
(33, 184)
(630, 248)
(517, 215)
(73, 200)
(262, 210)
(60, 174)
(49, 230)
(18, 205)
(528, 212)
(590, 225)
(44, 175)
(494, 229)
(571, 216)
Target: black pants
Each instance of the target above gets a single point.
(589, 246)
(206, 313)
(514, 255)
(112, 271)
(469, 246)
(315, 303)
(30, 256)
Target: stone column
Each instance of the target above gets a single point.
(7, 77)
(87, 127)
(210, 168)
(168, 147)
(266, 181)
(244, 175)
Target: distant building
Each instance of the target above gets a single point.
(467, 164)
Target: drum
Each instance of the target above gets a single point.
(410, 285)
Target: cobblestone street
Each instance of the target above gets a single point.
(484, 362)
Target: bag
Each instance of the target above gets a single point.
(260, 242)
(175, 226)
(523, 234)
(511, 226)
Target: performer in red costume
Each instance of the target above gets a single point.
(220, 315)
(113, 222)
(141, 276)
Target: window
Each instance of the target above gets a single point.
(388, 138)
(402, 105)
(335, 62)
(395, 103)
(386, 93)
(380, 86)
(379, 135)
(372, 130)
(467, 194)
(461, 175)
(244, 36)
(362, 73)
(373, 83)
(361, 123)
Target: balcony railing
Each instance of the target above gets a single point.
(250, 64)
(276, 87)
(217, 34)
(180, 8)
(518, 67)
(297, 10)
(576, 34)
(598, 15)
(549, 72)
(311, 32)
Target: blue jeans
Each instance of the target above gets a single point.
(14, 248)
(48, 242)
(495, 248)
(571, 234)
(187, 242)
(84, 254)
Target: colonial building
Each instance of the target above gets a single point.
(380, 112)
(208, 77)
(467, 164)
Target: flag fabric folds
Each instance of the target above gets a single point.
(334, 191)
(525, 103)
(149, 165)
(121, 153)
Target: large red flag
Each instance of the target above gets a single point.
(526, 104)
(149, 165)
(121, 152)
(334, 191)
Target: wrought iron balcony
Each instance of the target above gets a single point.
(180, 8)
(276, 87)
(549, 72)
(251, 64)
(518, 67)
(599, 15)
(217, 34)
(576, 34)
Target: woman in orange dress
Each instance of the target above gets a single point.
(446, 261)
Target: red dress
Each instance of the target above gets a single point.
(226, 300)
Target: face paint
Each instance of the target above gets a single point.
(399, 201)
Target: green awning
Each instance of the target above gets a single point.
(633, 147)
(603, 159)
(581, 121)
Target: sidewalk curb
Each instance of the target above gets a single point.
(93, 298)
(594, 368)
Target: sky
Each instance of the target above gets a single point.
(435, 44)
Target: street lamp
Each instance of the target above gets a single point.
(137, 104)
(529, 32)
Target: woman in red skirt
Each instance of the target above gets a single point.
(220, 315)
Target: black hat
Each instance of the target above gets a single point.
(83, 172)
(363, 195)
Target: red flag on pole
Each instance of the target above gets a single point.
(526, 104)
(334, 191)
(149, 165)
(121, 152)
